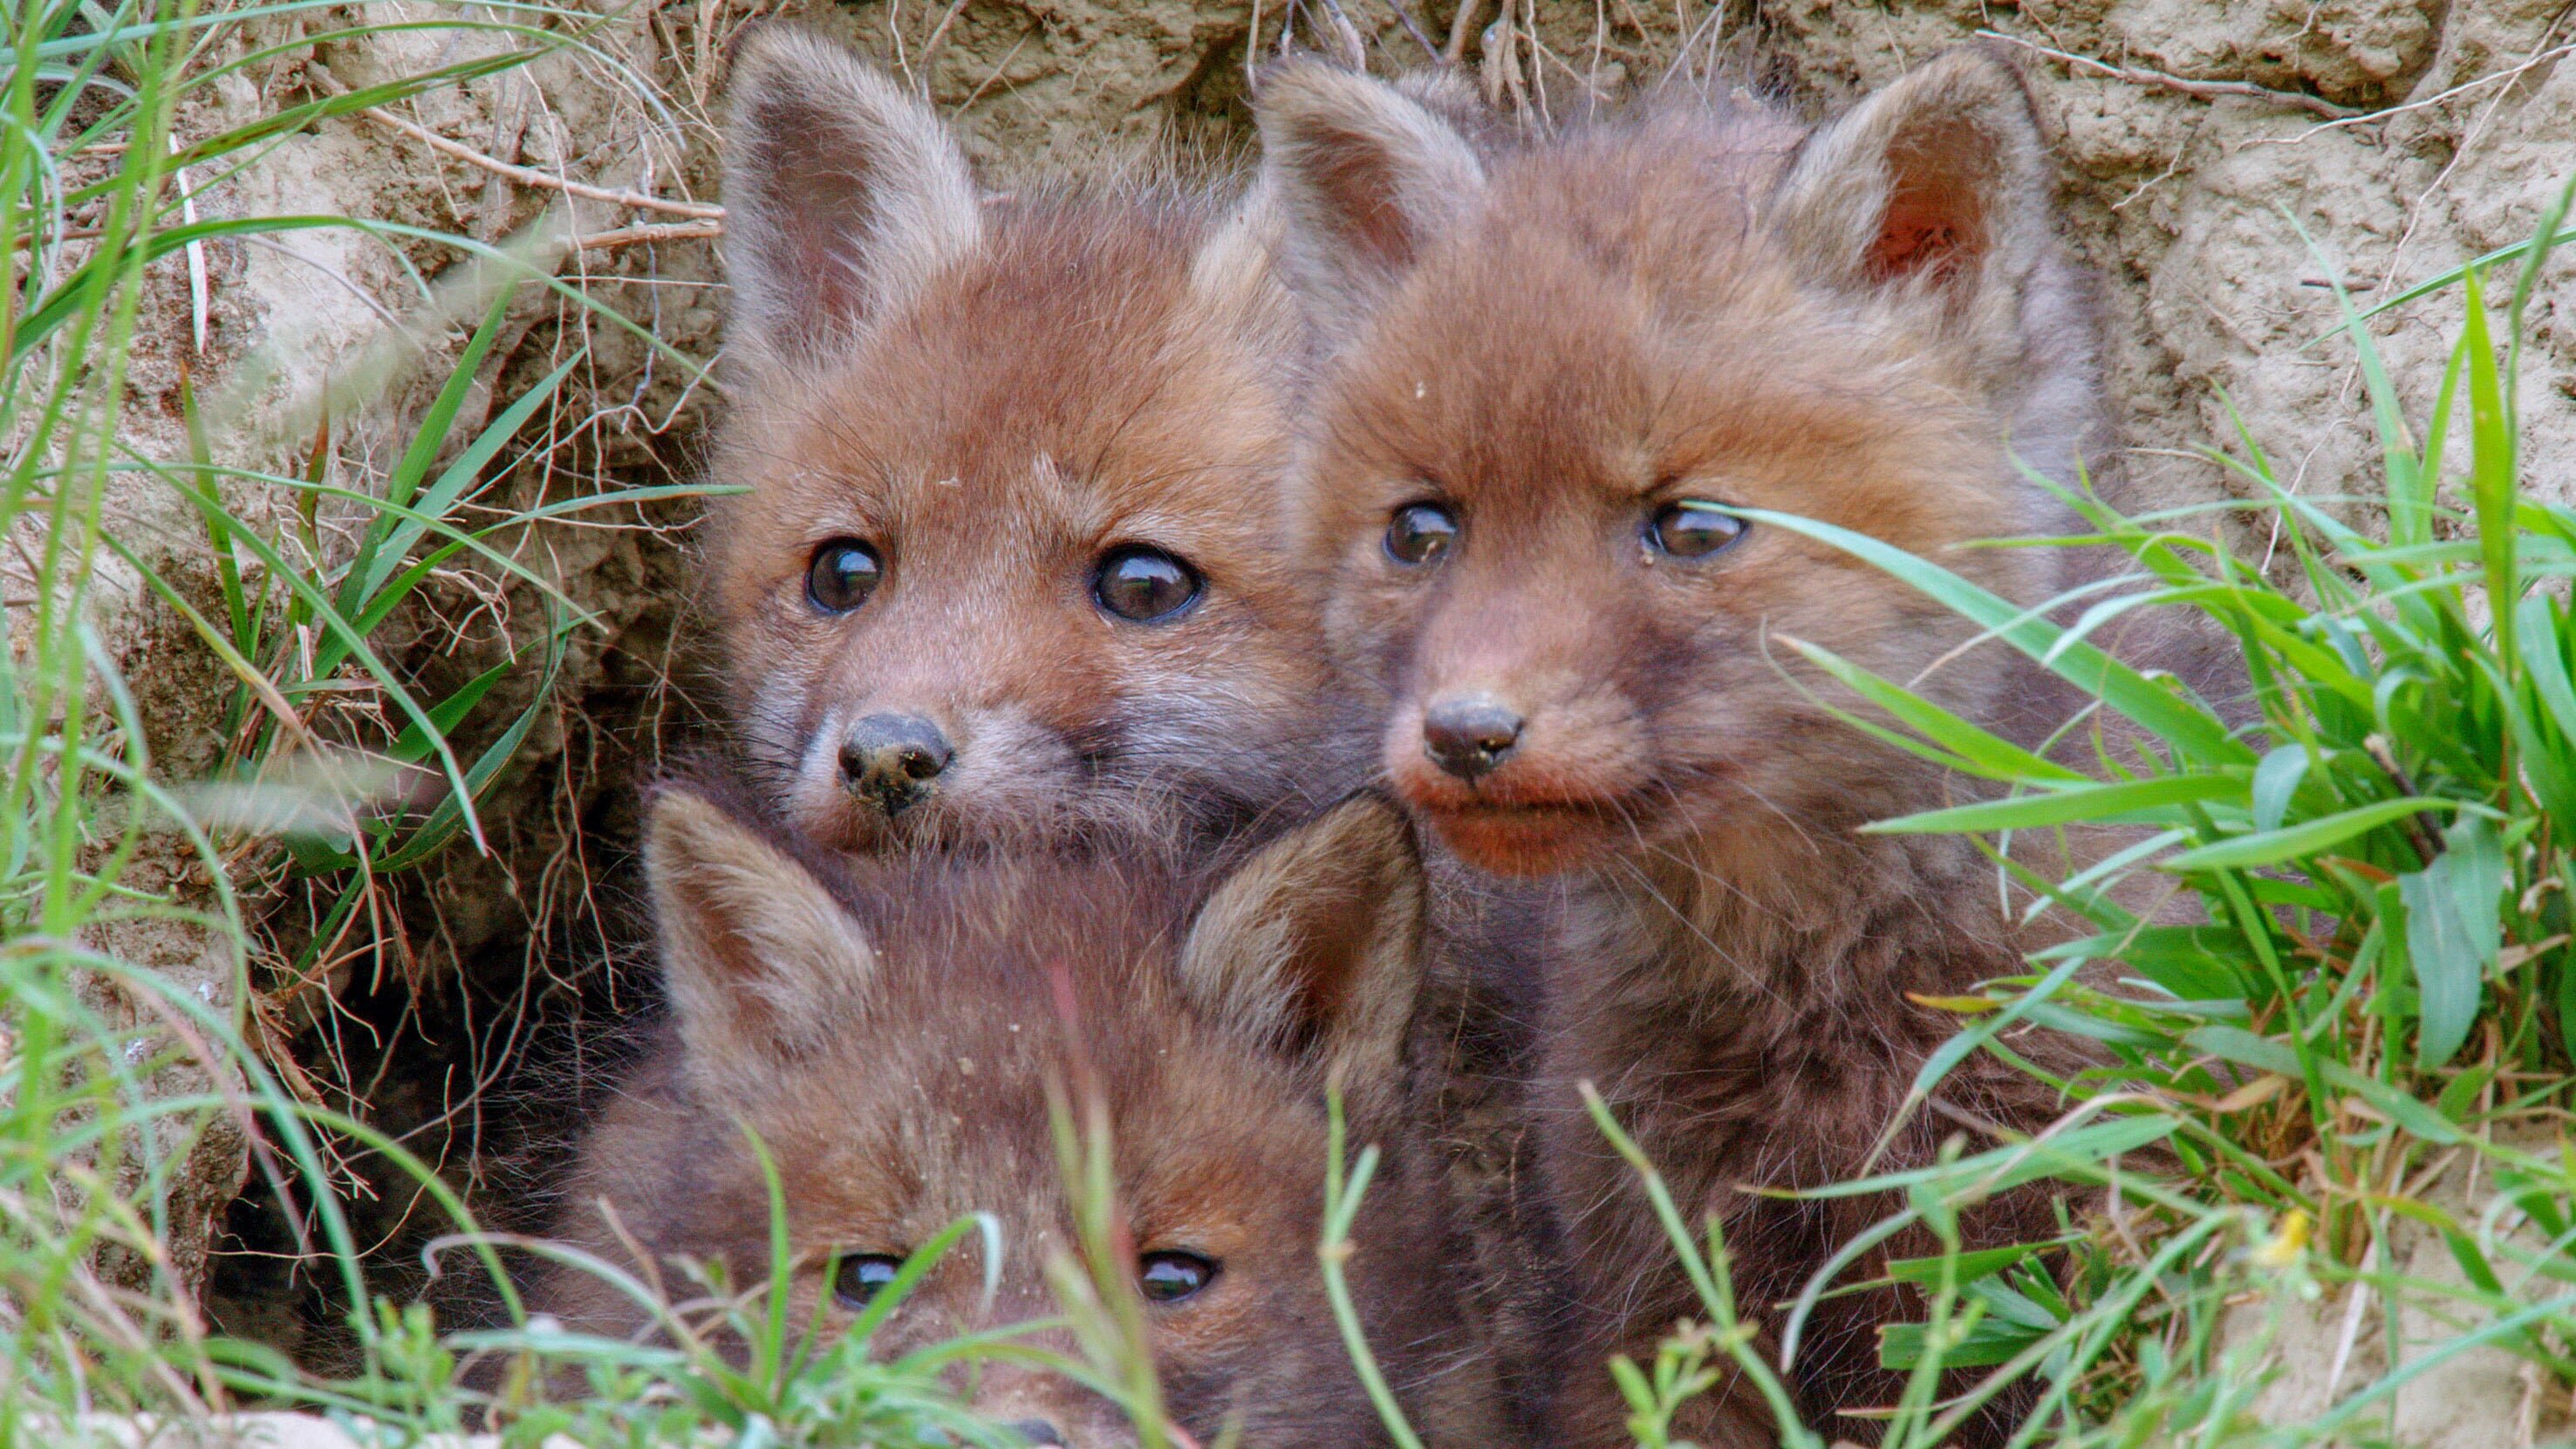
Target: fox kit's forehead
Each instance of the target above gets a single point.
(943, 1101)
(1074, 340)
(1617, 321)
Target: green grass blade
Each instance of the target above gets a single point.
(2264, 848)
(2491, 468)
(1968, 746)
(443, 495)
(2121, 802)
(428, 436)
(2198, 735)
(2450, 276)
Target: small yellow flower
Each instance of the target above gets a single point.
(2283, 1247)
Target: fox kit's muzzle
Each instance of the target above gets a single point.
(892, 761)
(1469, 736)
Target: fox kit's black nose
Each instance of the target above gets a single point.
(1038, 1432)
(1469, 736)
(892, 761)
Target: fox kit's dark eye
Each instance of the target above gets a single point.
(1693, 528)
(1144, 584)
(844, 572)
(1420, 532)
(1170, 1277)
(861, 1275)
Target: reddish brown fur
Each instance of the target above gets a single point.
(1008, 397)
(1083, 369)
(1663, 308)
(906, 1082)
(1060, 396)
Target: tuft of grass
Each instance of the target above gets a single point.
(2352, 1028)
(1683, 1370)
(118, 1083)
(725, 1358)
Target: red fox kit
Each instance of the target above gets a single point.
(1011, 558)
(1014, 563)
(889, 1027)
(1553, 372)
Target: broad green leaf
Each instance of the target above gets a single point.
(2275, 781)
(1969, 1266)
(2545, 757)
(2192, 962)
(2453, 932)
(2540, 642)
(2448, 986)
(1989, 1341)
(2001, 1299)
(412, 746)
(2410, 511)
(2541, 637)
(2491, 466)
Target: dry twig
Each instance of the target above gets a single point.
(644, 232)
(1461, 25)
(2205, 89)
(524, 175)
(529, 176)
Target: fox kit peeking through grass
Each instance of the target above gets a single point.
(890, 1027)
(1011, 559)
(1551, 374)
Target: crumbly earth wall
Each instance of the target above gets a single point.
(2197, 139)
(2402, 137)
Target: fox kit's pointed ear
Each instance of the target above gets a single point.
(842, 194)
(1366, 175)
(1236, 271)
(761, 961)
(1938, 182)
(1315, 945)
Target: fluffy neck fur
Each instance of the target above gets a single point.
(1750, 1026)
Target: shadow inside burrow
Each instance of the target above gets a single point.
(510, 989)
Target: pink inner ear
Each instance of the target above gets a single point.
(833, 288)
(1355, 177)
(1913, 241)
(817, 199)
(1935, 221)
